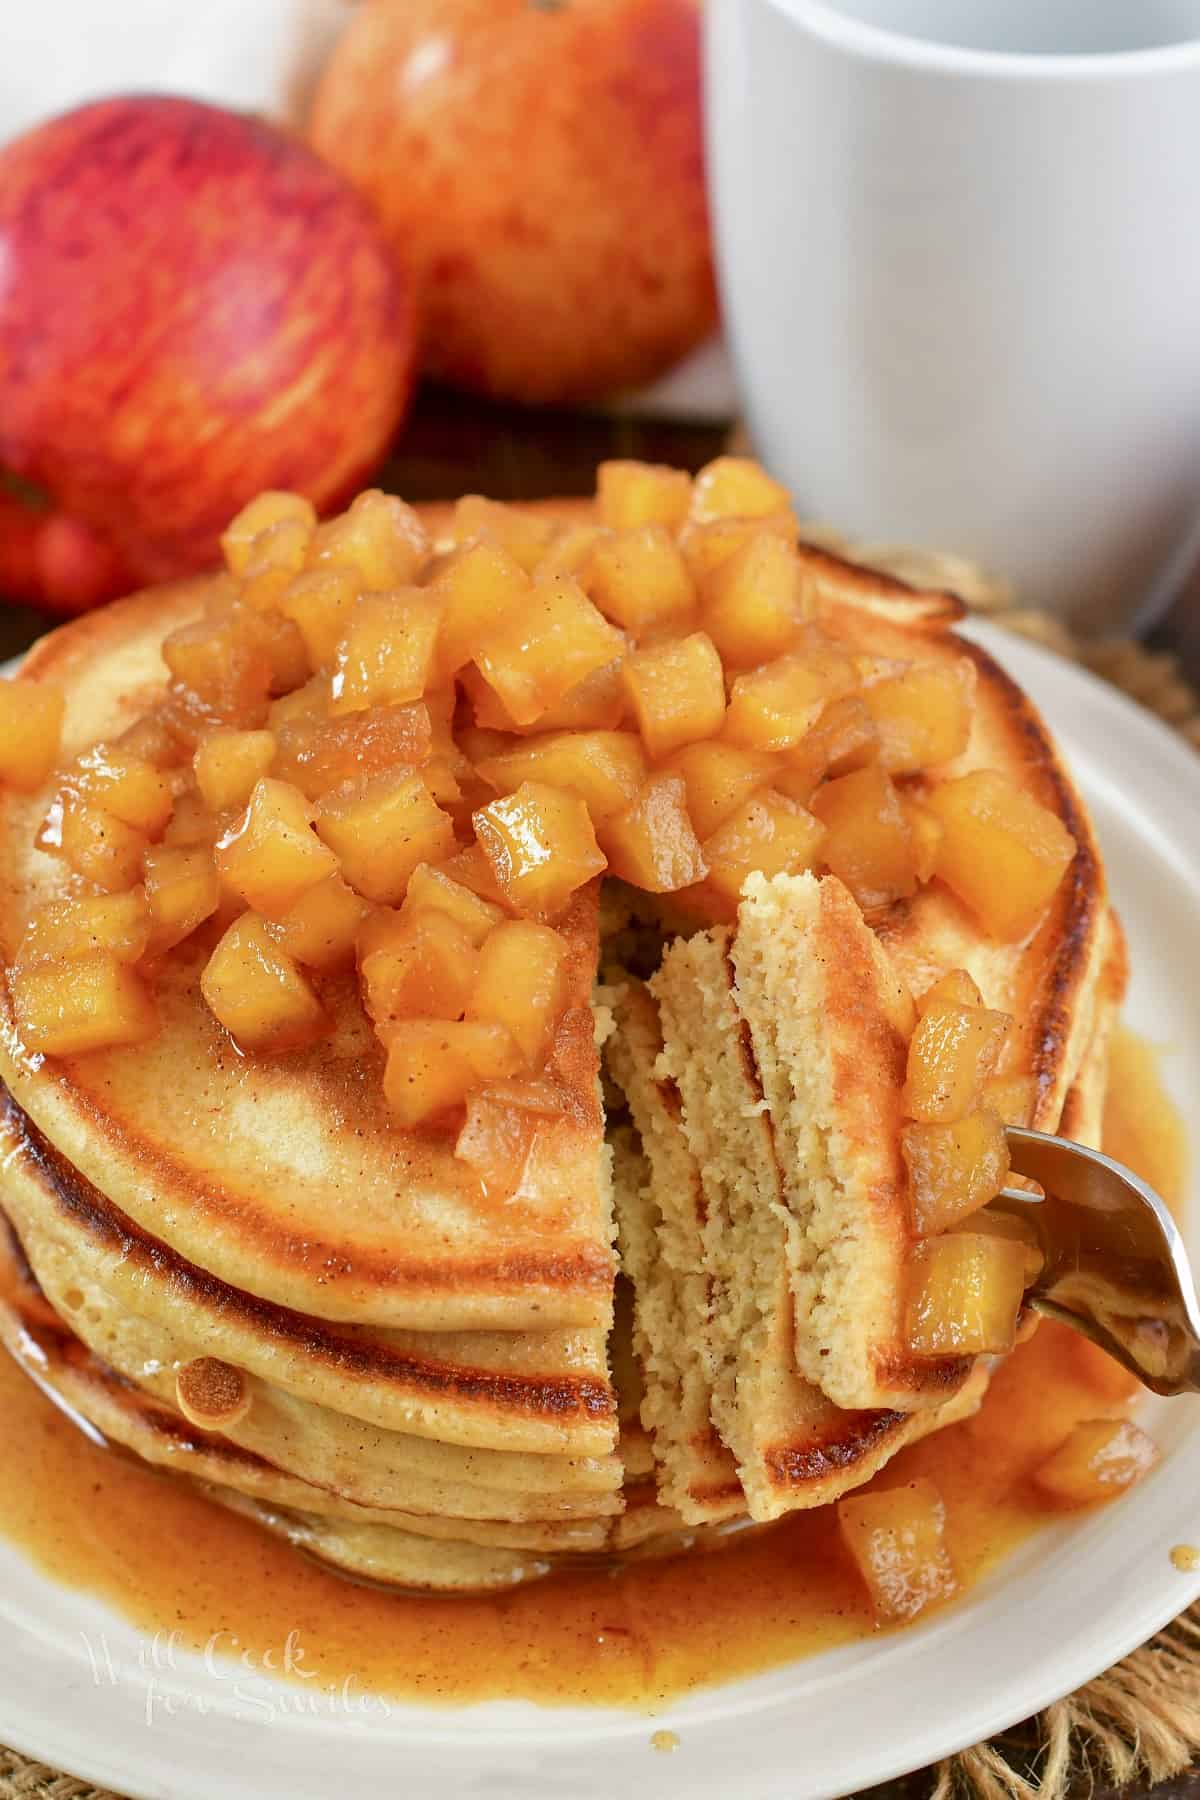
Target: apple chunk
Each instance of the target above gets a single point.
(653, 843)
(519, 983)
(257, 992)
(952, 1052)
(954, 1169)
(380, 830)
(1100, 1459)
(631, 494)
(541, 846)
(272, 855)
(97, 1002)
(897, 1539)
(677, 691)
(1002, 852)
(433, 1064)
(65, 929)
(965, 1294)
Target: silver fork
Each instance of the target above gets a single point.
(1116, 1268)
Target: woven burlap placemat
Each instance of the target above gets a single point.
(1139, 1723)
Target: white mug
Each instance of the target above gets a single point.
(959, 247)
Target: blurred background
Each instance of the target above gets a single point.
(440, 245)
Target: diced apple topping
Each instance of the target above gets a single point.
(417, 964)
(518, 983)
(65, 929)
(569, 552)
(753, 602)
(433, 1065)
(541, 847)
(385, 760)
(1016, 1230)
(719, 778)
(842, 739)
(632, 494)
(605, 768)
(922, 717)
(652, 844)
(478, 587)
(100, 1004)
(736, 487)
(438, 888)
(955, 1168)
(124, 785)
(380, 538)
(319, 603)
(381, 829)
(769, 833)
(868, 844)
(953, 1051)
(183, 889)
(387, 654)
(221, 673)
(321, 928)
(967, 1288)
(240, 540)
(95, 844)
(524, 535)
(534, 654)
(496, 1141)
(773, 707)
(317, 754)
(257, 991)
(31, 716)
(640, 580)
(677, 692)
(1013, 1097)
(1002, 853)
(229, 763)
(897, 1538)
(1100, 1459)
(272, 855)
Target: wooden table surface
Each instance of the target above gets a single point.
(454, 445)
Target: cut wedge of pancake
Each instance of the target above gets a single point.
(826, 1029)
(287, 1178)
(754, 1433)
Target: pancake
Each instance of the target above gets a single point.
(308, 1195)
(391, 1546)
(326, 1398)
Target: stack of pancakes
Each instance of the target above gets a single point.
(242, 1270)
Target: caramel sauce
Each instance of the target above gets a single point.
(172, 1561)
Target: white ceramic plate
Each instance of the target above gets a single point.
(82, 1690)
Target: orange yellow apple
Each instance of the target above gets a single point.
(540, 167)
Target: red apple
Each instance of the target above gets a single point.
(540, 165)
(192, 308)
